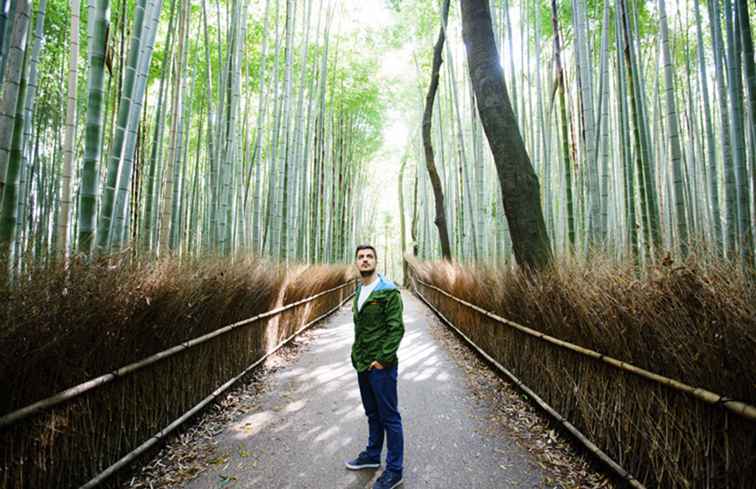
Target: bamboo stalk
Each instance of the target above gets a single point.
(592, 447)
(125, 460)
(740, 408)
(80, 389)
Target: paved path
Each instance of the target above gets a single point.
(311, 420)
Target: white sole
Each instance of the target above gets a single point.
(361, 467)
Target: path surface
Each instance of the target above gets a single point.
(311, 420)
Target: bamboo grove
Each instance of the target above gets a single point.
(187, 127)
(182, 127)
(639, 117)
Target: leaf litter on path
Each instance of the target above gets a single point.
(194, 449)
(565, 466)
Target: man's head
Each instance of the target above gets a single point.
(366, 258)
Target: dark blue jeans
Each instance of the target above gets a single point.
(378, 392)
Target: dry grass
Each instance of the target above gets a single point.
(61, 328)
(693, 322)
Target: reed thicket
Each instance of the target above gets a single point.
(61, 327)
(694, 322)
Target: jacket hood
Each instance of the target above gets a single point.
(383, 284)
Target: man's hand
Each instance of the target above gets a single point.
(375, 364)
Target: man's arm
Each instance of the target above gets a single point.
(395, 326)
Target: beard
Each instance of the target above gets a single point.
(367, 273)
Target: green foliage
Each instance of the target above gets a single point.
(647, 22)
(418, 19)
(372, 71)
(52, 64)
(357, 92)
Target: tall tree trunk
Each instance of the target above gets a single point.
(730, 191)
(711, 156)
(402, 224)
(4, 8)
(126, 160)
(463, 163)
(674, 133)
(427, 143)
(646, 184)
(585, 84)
(413, 224)
(98, 27)
(10, 12)
(119, 137)
(12, 83)
(735, 37)
(167, 200)
(9, 202)
(564, 129)
(750, 75)
(68, 145)
(603, 126)
(519, 183)
(28, 111)
(33, 75)
(625, 146)
(151, 203)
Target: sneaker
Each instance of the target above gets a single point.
(363, 462)
(388, 480)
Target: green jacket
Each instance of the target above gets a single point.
(378, 326)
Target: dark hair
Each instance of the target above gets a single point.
(365, 247)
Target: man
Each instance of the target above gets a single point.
(378, 330)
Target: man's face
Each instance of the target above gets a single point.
(366, 262)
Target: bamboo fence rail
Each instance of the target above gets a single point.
(589, 445)
(131, 456)
(87, 386)
(738, 407)
(27, 430)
